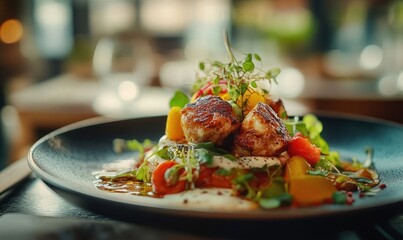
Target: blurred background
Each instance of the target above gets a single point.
(63, 61)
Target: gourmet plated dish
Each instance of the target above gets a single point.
(231, 139)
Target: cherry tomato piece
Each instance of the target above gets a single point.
(300, 146)
(160, 185)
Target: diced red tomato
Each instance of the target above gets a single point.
(160, 185)
(300, 146)
(221, 181)
(209, 178)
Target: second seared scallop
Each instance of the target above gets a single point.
(262, 133)
(208, 119)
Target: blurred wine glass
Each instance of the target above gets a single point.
(124, 65)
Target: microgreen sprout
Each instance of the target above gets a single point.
(240, 76)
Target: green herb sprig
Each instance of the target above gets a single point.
(238, 75)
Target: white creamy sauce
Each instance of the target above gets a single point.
(210, 199)
(245, 162)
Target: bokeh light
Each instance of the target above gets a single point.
(291, 83)
(400, 82)
(128, 90)
(371, 57)
(11, 31)
(387, 85)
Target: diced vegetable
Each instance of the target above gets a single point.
(310, 190)
(249, 100)
(306, 189)
(209, 177)
(160, 184)
(296, 167)
(173, 128)
(300, 146)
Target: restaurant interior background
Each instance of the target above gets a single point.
(62, 61)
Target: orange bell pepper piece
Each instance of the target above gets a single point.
(306, 189)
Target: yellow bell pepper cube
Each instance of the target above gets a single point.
(249, 100)
(173, 128)
(296, 167)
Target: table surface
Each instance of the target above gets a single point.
(31, 210)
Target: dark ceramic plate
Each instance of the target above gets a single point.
(66, 158)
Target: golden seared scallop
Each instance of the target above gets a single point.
(208, 119)
(262, 133)
(278, 107)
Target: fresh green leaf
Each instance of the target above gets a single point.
(143, 173)
(334, 158)
(363, 180)
(318, 172)
(163, 153)
(274, 72)
(244, 88)
(244, 178)
(211, 150)
(325, 165)
(269, 203)
(216, 90)
(180, 99)
(234, 93)
(248, 66)
(275, 189)
(257, 57)
(216, 80)
(218, 64)
(284, 199)
(253, 84)
(339, 198)
(204, 156)
(313, 125)
(341, 179)
(202, 66)
(205, 145)
(248, 57)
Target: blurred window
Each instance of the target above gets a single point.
(164, 17)
(112, 16)
(53, 27)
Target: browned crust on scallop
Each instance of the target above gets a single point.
(208, 119)
(262, 133)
